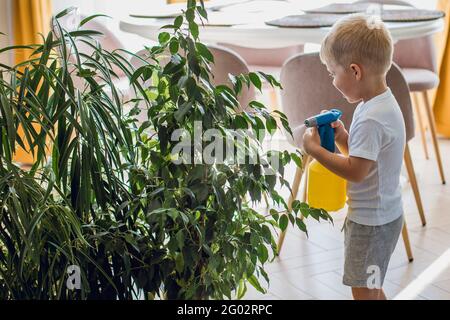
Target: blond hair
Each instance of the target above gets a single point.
(359, 38)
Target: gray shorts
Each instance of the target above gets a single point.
(368, 250)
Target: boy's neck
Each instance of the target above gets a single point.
(374, 89)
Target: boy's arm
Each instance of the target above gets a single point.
(353, 169)
(350, 168)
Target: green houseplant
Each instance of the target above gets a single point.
(140, 217)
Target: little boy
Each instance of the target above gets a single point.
(358, 54)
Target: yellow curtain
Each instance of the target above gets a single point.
(30, 17)
(442, 95)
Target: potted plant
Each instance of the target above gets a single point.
(140, 210)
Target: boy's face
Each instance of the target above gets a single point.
(346, 80)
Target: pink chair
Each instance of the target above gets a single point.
(265, 59)
(417, 59)
(308, 89)
(268, 61)
(228, 62)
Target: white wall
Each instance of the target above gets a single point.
(5, 28)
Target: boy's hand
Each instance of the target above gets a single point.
(339, 129)
(311, 141)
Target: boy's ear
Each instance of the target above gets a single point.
(356, 71)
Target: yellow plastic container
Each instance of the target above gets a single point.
(325, 190)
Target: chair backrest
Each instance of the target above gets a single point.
(308, 89)
(419, 53)
(108, 39)
(265, 57)
(228, 62)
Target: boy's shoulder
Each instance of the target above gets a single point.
(383, 108)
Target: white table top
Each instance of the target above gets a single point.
(260, 35)
(248, 26)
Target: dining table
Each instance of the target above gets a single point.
(245, 23)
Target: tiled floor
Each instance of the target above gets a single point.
(311, 268)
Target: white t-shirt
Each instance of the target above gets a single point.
(377, 133)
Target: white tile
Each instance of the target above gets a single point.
(296, 247)
(313, 269)
(333, 280)
(432, 292)
(282, 264)
(312, 287)
(285, 290)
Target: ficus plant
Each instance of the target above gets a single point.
(152, 209)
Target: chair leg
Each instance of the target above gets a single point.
(420, 124)
(412, 178)
(432, 123)
(295, 187)
(407, 243)
(266, 200)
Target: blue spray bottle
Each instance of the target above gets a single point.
(325, 189)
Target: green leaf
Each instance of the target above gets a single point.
(286, 126)
(259, 129)
(190, 14)
(283, 222)
(257, 105)
(271, 125)
(267, 235)
(178, 21)
(301, 225)
(255, 283)
(179, 262)
(65, 12)
(297, 160)
(204, 51)
(201, 192)
(193, 28)
(180, 239)
(315, 213)
(275, 215)
(263, 254)
(163, 37)
(85, 73)
(254, 78)
(242, 289)
(173, 46)
(201, 10)
(240, 122)
(87, 19)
